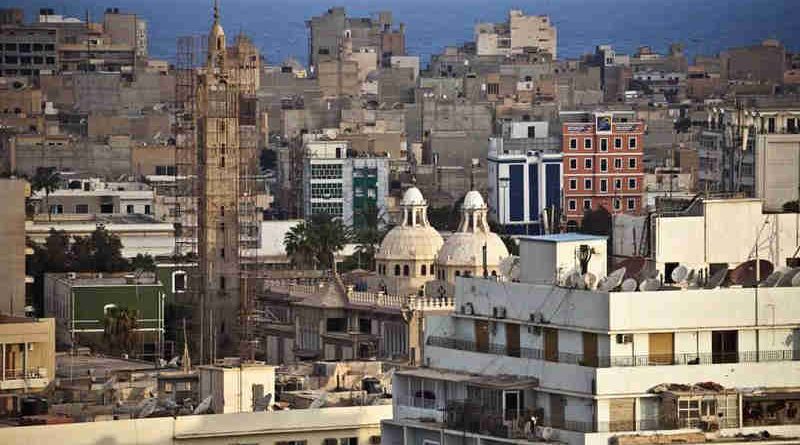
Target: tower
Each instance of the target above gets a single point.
(217, 323)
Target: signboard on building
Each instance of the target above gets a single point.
(604, 123)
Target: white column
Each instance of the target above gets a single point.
(25, 360)
(3, 365)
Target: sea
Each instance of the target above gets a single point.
(278, 27)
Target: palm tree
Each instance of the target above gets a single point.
(47, 179)
(119, 329)
(369, 234)
(315, 242)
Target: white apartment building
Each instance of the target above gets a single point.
(548, 358)
(343, 186)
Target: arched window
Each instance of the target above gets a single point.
(423, 270)
(494, 273)
(458, 273)
(108, 308)
(406, 270)
(397, 270)
(431, 269)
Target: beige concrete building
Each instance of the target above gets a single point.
(12, 244)
(345, 426)
(519, 32)
(27, 358)
(237, 387)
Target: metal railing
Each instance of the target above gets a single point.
(617, 361)
(18, 374)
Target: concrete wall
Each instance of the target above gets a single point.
(312, 426)
(777, 169)
(12, 244)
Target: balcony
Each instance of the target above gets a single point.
(21, 379)
(618, 361)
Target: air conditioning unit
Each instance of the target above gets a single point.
(624, 339)
(499, 312)
(537, 317)
(535, 330)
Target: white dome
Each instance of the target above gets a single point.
(413, 197)
(410, 243)
(465, 249)
(473, 201)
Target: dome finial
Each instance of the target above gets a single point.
(216, 11)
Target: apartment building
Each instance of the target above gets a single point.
(12, 243)
(525, 171)
(578, 361)
(337, 182)
(603, 163)
(27, 358)
(753, 147)
(519, 32)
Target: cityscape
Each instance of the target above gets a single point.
(366, 236)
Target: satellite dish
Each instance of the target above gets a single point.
(786, 279)
(746, 274)
(773, 278)
(633, 267)
(679, 274)
(716, 280)
(796, 280)
(547, 433)
(650, 285)
(610, 282)
(320, 401)
(203, 406)
(589, 280)
(148, 408)
(629, 285)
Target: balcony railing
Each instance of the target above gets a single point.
(617, 361)
(19, 374)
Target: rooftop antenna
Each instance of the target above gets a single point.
(186, 362)
(584, 254)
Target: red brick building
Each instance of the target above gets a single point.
(603, 164)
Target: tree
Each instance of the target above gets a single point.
(99, 252)
(144, 263)
(315, 242)
(47, 179)
(368, 236)
(119, 329)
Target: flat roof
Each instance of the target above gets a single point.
(563, 237)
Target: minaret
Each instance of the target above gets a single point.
(216, 42)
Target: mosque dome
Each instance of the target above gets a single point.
(414, 239)
(464, 248)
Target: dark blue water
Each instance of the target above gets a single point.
(278, 27)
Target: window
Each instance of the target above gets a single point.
(406, 270)
(81, 208)
(364, 325)
(604, 165)
(326, 190)
(573, 144)
(631, 203)
(147, 209)
(604, 185)
(771, 125)
(493, 88)
(618, 184)
(724, 346)
(573, 164)
(632, 183)
(178, 281)
(24, 47)
(587, 163)
(222, 252)
(573, 184)
(587, 184)
(423, 269)
(129, 209)
(587, 144)
(326, 171)
(106, 208)
(587, 204)
(604, 144)
(531, 132)
(617, 164)
(617, 142)
(573, 205)
(617, 204)
(11, 46)
(631, 143)
(632, 163)
(222, 283)
(397, 270)
(336, 324)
